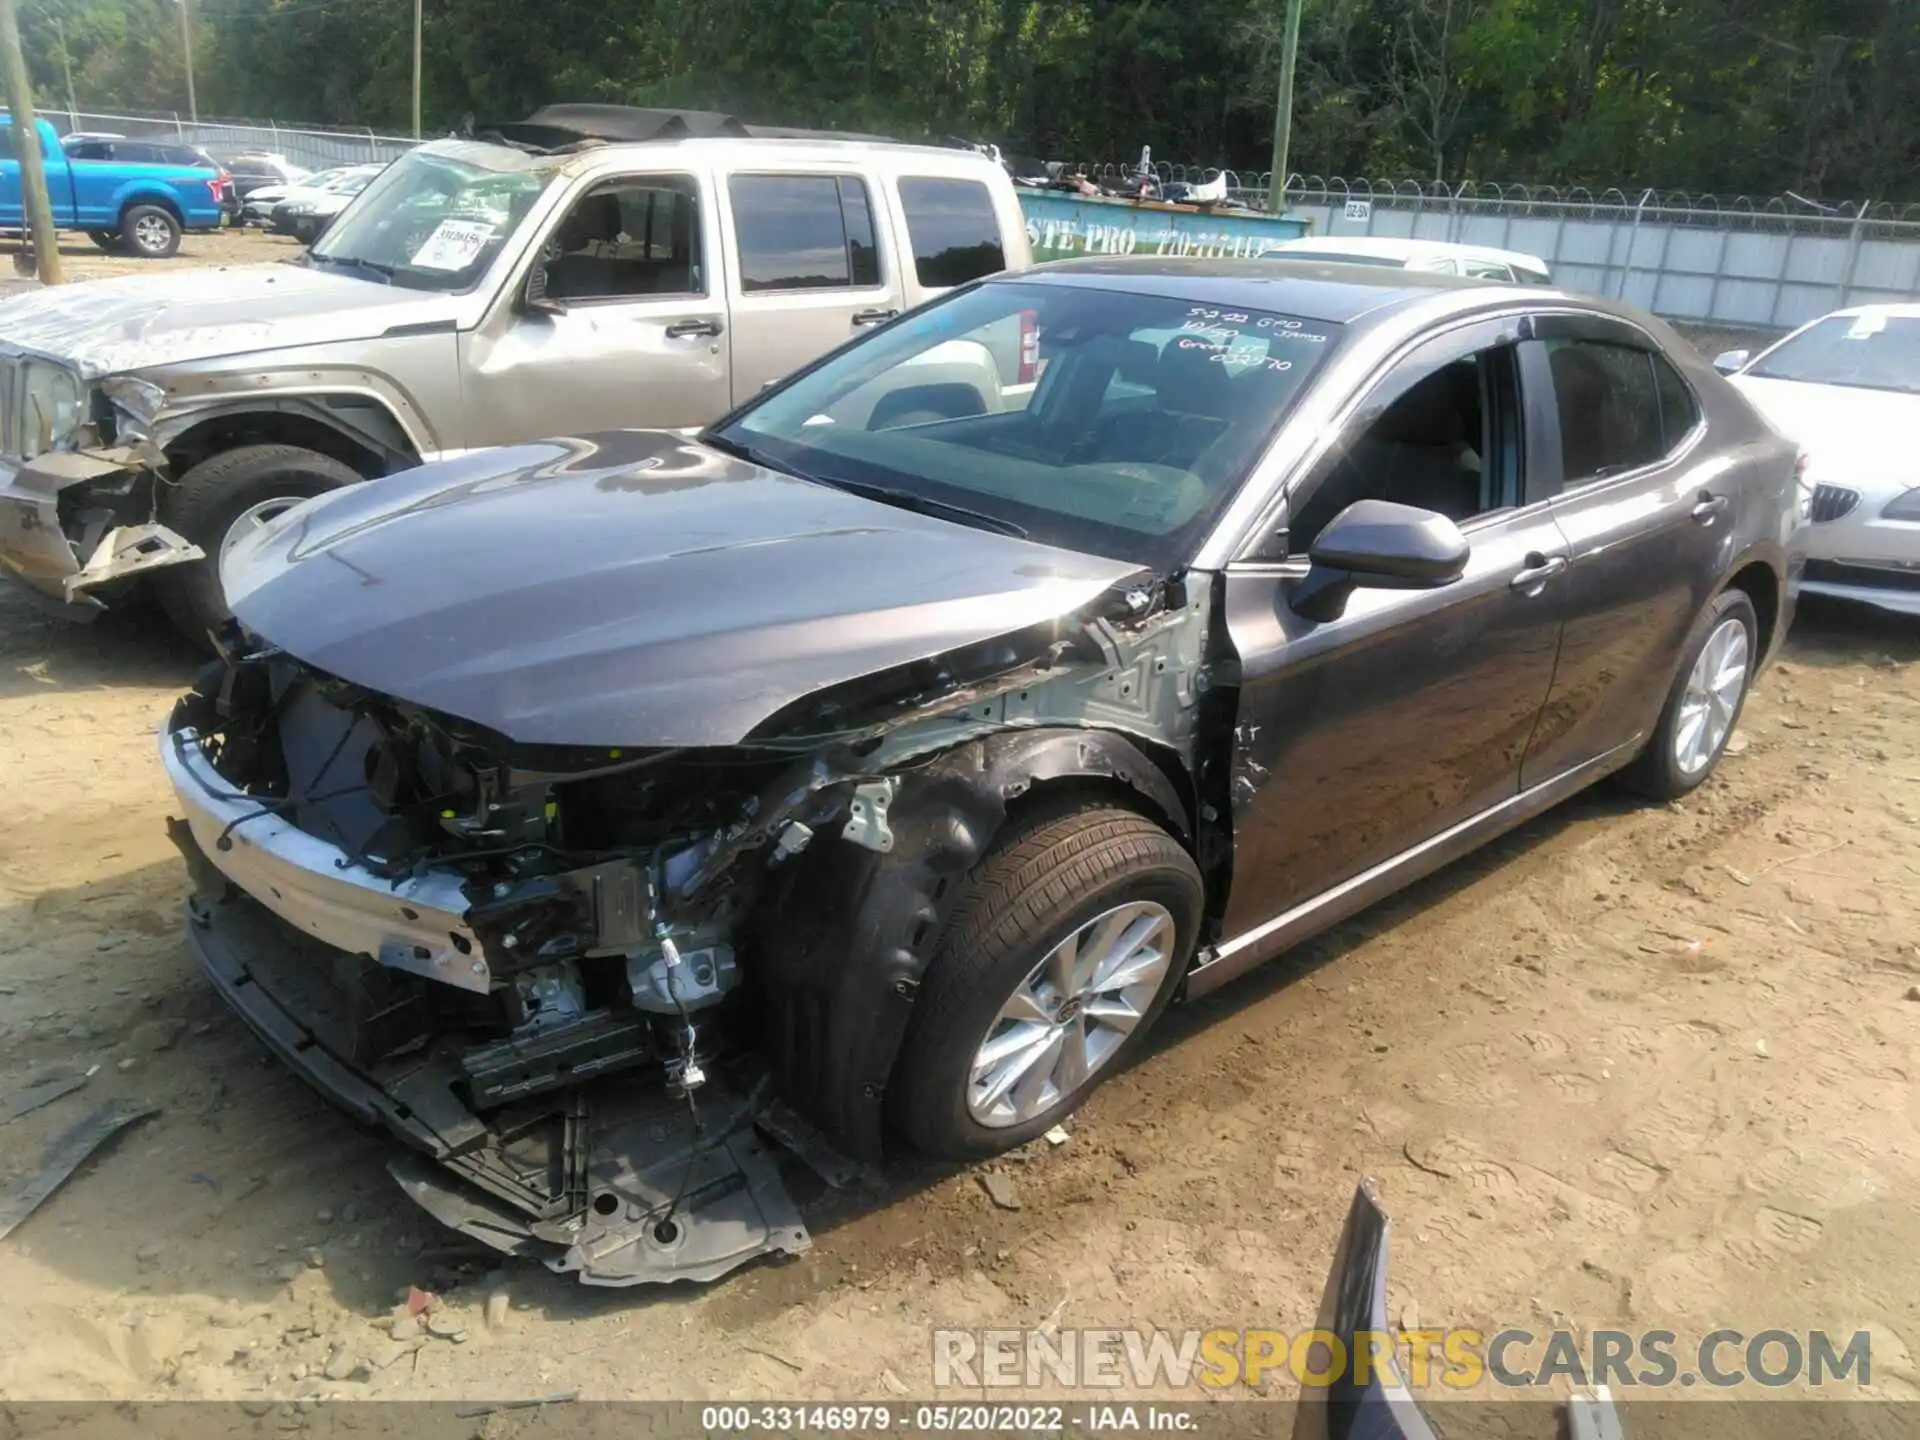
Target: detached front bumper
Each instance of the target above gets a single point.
(610, 1181)
(34, 544)
(417, 924)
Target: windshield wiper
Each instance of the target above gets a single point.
(926, 505)
(749, 454)
(383, 273)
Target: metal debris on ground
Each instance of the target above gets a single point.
(1058, 1135)
(35, 1096)
(64, 1156)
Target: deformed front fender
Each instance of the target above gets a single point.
(844, 933)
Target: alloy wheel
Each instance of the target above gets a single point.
(1712, 697)
(1071, 1014)
(152, 232)
(255, 518)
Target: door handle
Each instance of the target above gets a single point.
(864, 318)
(1539, 570)
(1708, 506)
(687, 329)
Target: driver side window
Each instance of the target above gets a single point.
(1443, 437)
(626, 239)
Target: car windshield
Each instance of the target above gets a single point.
(436, 217)
(1871, 351)
(1113, 423)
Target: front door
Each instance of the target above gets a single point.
(625, 325)
(1649, 531)
(810, 270)
(1361, 736)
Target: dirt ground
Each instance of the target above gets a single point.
(1631, 1066)
(83, 260)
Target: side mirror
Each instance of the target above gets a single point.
(1381, 546)
(534, 299)
(1727, 362)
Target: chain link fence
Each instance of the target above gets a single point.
(316, 147)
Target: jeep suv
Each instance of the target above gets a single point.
(592, 267)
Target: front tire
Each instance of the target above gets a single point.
(1704, 705)
(217, 502)
(150, 232)
(1070, 940)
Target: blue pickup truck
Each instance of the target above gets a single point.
(143, 208)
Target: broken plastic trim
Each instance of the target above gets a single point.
(128, 550)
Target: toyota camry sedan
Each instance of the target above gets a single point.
(611, 817)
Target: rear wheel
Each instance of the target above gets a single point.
(221, 501)
(1705, 702)
(1071, 938)
(150, 232)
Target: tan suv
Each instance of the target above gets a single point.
(592, 268)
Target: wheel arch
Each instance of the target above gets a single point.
(359, 430)
(843, 936)
(159, 199)
(1758, 576)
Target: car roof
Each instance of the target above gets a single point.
(1395, 247)
(1312, 289)
(1894, 310)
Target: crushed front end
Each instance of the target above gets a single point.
(79, 518)
(461, 941)
(609, 989)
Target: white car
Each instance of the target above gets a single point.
(1847, 389)
(263, 202)
(1440, 256)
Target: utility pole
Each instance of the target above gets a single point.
(186, 45)
(66, 68)
(1283, 115)
(416, 68)
(26, 146)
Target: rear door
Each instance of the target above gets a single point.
(809, 266)
(1648, 526)
(625, 326)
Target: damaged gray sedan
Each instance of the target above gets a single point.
(608, 818)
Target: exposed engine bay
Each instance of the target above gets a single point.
(606, 989)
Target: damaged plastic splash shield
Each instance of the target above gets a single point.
(620, 1184)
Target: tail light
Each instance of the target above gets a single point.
(218, 185)
(1029, 346)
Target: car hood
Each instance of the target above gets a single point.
(171, 317)
(1854, 436)
(634, 588)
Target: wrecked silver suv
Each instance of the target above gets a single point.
(599, 814)
(590, 268)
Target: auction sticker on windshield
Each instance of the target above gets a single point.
(454, 245)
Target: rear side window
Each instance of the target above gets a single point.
(88, 150)
(1679, 411)
(955, 233)
(804, 232)
(1609, 408)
